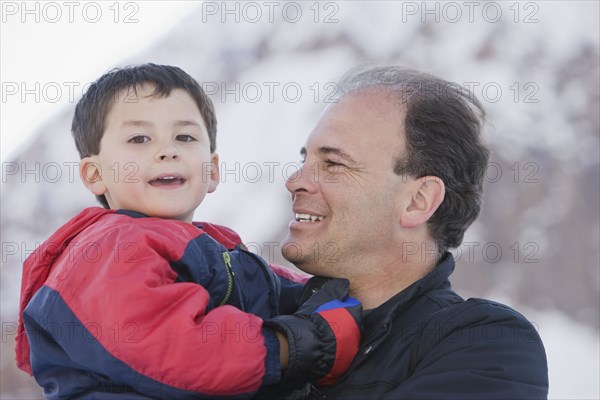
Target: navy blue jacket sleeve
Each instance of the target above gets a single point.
(476, 350)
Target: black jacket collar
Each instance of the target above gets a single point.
(132, 214)
(377, 321)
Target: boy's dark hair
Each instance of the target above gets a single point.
(442, 128)
(94, 106)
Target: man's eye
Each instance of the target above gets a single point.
(331, 163)
(139, 139)
(185, 138)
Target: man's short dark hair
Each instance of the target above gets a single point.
(91, 111)
(442, 126)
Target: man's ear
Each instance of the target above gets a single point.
(91, 175)
(426, 196)
(212, 172)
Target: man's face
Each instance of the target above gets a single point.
(345, 196)
(154, 155)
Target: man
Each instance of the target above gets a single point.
(392, 178)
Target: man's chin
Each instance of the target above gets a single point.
(293, 256)
(291, 251)
(306, 259)
(307, 265)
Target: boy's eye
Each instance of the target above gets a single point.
(139, 139)
(185, 138)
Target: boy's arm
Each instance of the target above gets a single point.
(291, 282)
(137, 325)
(332, 322)
(292, 286)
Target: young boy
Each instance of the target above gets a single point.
(134, 300)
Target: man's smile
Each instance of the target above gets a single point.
(309, 218)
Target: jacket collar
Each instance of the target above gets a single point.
(377, 321)
(227, 237)
(130, 213)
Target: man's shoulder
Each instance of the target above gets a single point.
(482, 320)
(479, 310)
(479, 336)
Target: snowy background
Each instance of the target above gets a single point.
(270, 68)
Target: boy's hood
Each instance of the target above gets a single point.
(38, 266)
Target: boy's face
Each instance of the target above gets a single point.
(154, 156)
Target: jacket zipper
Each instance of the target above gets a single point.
(227, 260)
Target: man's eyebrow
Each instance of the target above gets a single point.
(331, 150)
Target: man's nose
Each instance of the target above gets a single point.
(304, 179)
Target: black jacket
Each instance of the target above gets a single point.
(428, 343)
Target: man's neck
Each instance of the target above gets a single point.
(387, 279)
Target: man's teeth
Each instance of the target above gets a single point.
(308, 218)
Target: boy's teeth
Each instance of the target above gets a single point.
(167, 180)
(308, 218)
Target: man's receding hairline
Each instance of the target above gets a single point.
(391, 93)
(383, 92)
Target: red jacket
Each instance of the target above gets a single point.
(115, 303)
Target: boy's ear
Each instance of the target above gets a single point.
(212, 173)
(91, 175)
(426, 196)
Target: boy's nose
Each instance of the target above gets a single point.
(168, 152)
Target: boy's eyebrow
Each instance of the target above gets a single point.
(136, 123)
(331, 150)
(187, 123)
(143, 123)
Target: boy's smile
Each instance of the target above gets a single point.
(168, 181)
(154, 155)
